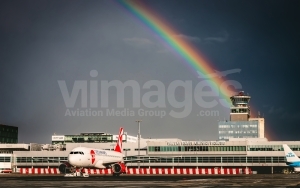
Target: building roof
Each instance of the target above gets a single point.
(8, 125)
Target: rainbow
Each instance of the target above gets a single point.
(191, 56)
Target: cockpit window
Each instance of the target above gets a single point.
(77, 152)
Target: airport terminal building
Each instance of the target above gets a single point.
(8, 134)
(258, 154)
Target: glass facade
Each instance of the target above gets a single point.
(239, 110)
(269, 148)
(41, 160)
(240, 99)
(217, 159)
(8, 134)
(195, 148)
(85, 138)
(220, 148)
(5, 159)
(238, 129)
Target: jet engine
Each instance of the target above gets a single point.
(65, 168)
(118, 168)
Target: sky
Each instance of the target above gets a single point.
(53, 50)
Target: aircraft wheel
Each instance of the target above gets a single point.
(285, 171)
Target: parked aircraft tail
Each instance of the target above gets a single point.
(118, 147)
(290, 155)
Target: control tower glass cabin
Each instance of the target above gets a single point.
(240, 110)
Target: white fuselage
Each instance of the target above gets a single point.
(90, 157)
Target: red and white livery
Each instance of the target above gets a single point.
(83, 157)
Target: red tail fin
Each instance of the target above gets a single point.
(118, 147)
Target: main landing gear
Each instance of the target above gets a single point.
(77, 172)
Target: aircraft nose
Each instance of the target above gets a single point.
(72, 160)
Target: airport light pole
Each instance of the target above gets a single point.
(139, 139)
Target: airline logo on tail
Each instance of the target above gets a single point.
(290, 155)
(92, 152)
(118, 147)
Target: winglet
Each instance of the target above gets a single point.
(118, 147)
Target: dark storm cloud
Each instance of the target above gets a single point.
(188, 38)
(138, 41)
(223, 38)
(46, 41)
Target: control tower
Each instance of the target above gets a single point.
(240, 124)
(240, 110)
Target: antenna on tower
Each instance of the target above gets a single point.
(258, 114)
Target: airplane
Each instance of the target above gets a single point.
(291, 158)
(84, 157)
(218, 73)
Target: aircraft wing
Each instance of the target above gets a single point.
(140, 160)
(128, 161)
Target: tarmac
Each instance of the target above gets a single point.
(254, 180)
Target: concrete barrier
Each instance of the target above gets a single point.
(147, 171)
